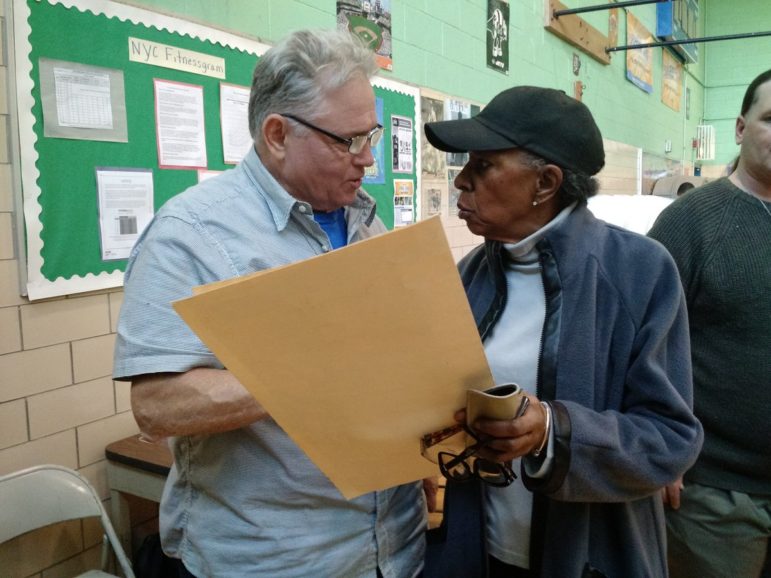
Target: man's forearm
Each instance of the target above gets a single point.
(199, 401)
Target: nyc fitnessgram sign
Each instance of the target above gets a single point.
(154, 53)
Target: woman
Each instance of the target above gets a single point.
(590, 320)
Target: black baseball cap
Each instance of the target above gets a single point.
(544, 121)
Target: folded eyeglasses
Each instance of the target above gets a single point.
(461, 467)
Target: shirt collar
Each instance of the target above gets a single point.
(281, 203)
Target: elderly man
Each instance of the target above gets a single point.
(590, 320)
(242, 499)
(720, 236)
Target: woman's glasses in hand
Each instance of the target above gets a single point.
(463, 466)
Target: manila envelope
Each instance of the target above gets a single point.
(356, 353)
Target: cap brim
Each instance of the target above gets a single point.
(463, 135)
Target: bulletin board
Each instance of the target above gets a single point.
(58, 173)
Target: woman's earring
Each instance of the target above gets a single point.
(535, 203)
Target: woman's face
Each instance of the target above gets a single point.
(497, 193)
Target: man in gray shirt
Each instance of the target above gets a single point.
(719, 522)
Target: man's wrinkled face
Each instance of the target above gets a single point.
(321, 170)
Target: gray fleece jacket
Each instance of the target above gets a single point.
(615, 365)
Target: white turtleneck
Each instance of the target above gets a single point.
(512, 350)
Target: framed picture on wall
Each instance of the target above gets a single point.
(498, 35)
(370, 21)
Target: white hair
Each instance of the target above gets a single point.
(296, 74)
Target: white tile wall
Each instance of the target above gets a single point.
(68, 407)
(6, 193)
(122, 396)
(64, 320)
(34, 371)
(10, 330)
(59, 449)
(13, 423)
(6, 235)
(9, 284)
(94, 437)
(92, 358)
(116, 300)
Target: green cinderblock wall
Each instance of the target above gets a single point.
(440, 44)
(731, 65)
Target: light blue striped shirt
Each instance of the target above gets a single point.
(249, 502)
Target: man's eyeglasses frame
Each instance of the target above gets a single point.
(355, 144)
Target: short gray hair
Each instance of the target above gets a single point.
(295, 75)
(575, 186)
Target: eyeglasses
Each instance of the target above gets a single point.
(460, 467)
(355, 144)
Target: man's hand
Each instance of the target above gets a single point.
(671, 494)
(431, 489)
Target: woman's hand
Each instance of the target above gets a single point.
(512, 438)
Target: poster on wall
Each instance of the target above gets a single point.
(433, 194)
(125, 201)
(179, 125)
(498, 35)
(82, 101)
(370, 21)
(639, 62)
(401, 137)
(672, 81)
(204, 174)
(679, 21)
(404, 211)
(433, 162)
(234, 122)
(453, 110)
(375, 174)
(453, 193)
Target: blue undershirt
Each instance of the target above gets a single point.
(334, 226)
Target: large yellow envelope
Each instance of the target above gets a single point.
(356, 353)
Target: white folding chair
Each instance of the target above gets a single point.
(44, 495)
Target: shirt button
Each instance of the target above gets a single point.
(302, 208)
(324, 248)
